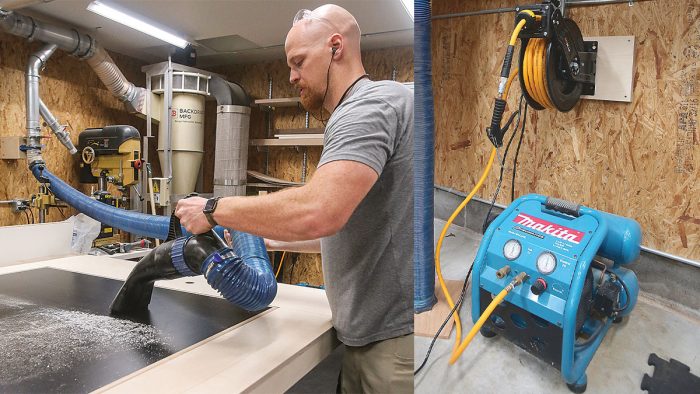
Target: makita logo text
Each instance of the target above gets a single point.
(548, 228)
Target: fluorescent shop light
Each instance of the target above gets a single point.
(127, 20)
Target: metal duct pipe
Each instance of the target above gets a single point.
(81, 46)
(423, 165)
(68, 40)
(569, 3)
(37, 62)
(57, 128)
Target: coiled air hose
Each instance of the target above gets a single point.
(533, 72)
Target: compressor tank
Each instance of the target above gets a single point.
(622, 243)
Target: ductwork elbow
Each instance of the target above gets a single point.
(81, 46)
(132, 96)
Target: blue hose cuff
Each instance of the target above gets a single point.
(217, 257)
(177, 255)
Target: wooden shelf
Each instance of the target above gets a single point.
(287, 142)
(265, 185)
(279, 102)
(310, 130)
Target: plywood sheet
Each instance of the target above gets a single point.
(426, 324)
(638, 159)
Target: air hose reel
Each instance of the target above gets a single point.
(553, 49)
(556, 65)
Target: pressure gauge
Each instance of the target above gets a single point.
(512, 249)
(546, 263)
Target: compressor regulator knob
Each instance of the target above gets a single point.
(538, 287)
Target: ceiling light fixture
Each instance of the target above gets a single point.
(408, 5)
(127, 20)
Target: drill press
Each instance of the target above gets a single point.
(111, 154)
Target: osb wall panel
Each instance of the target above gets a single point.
(74, 95)
(639, 159)
(286, 162)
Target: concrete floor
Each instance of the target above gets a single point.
(497, 366)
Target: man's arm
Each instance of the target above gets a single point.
(310, 246)
(319, 208)
(271, 245)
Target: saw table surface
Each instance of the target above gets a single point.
(56, 334)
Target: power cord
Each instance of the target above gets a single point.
(517, 152)
(458, 304)
(503, 161)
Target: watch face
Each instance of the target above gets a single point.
(211, 205)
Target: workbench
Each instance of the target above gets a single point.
(266, 353)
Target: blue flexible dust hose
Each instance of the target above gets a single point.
(243, 275)
(131, 222)
(423, 162)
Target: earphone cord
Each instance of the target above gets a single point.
(328, 80)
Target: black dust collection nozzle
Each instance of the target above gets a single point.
(135, 295)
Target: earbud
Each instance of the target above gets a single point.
(333, 50)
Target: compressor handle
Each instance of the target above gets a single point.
(563, 206)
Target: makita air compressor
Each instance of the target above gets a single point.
(557, 266)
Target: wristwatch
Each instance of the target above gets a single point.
(209, 208)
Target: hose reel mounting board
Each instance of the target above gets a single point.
(56, 335)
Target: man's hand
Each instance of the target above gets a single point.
(189, 210)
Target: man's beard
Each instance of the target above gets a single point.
(311, 101)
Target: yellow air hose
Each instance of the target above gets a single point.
(534, 73)
(279, 268)
(438, 269)
(484, 316)
(459, 348)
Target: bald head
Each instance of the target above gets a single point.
(323, 22)
(323, 54)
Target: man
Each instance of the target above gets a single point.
(357, 209)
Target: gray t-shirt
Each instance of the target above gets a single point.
(368, 265)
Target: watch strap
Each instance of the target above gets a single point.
(209, 213)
